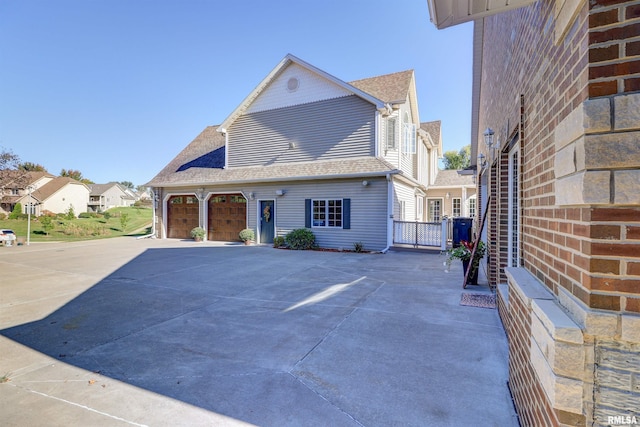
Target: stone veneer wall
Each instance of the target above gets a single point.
(571, 310)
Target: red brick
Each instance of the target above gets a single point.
(615, 214)
(597, 89)
(632, 85)
(606, 266)
(633, 268)
(616, 33)
(632, 49)
(633, 233)
(604, 302)
(615, 249)
(632, 11)
(605, 232)
(633, 304)
(603, 18)
(600, 54)
(600, 3)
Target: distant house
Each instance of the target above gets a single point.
(48, 193)
(305, 149)
(110, 195)
(453, 194)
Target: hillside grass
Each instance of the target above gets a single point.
(69, 230)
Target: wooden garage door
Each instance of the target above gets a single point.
(182, 216)
(227, 216)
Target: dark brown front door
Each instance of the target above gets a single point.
(227, 217)
(182, 215)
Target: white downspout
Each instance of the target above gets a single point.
(390, 192)
(153, 218)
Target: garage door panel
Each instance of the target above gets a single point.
(183, 213)
(227, 216)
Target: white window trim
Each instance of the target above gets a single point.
(327, 213)
(513, 223)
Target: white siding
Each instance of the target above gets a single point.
(406, 194)
(311, 88)
(76, 195)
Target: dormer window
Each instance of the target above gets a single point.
(408, 135)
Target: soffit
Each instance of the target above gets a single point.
(446, 13)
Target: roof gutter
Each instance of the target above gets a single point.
(281, 179)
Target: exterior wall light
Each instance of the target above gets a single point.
(488, 137)
(280, 192)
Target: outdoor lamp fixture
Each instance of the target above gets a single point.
(365, 183)
(488, 137)
(252, 196)
(280, 192)
(482, 160)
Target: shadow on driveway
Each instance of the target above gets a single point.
(272, 337)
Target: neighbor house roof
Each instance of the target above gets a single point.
(53, 186)
(391, 88)
(202, 162)
(98, 189)
(451, 178)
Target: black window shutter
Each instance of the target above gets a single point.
(346, 214)
(307, 213)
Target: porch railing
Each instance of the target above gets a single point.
(433, 234)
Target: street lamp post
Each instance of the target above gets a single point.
(30, 188)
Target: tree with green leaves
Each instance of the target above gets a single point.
(457, 159)
(124, 220)
(75, 174)
(47, 223)
(16, 212)
(31, 167)
(70, 213)
(127, 184)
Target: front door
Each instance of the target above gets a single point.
(267, 221)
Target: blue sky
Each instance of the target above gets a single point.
(116, 88)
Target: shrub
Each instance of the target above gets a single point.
(300, 239)
(70, 212)
(358, 247)
(278, 241)
(197, 233)
(246, 235)
(124, 220)
(16, 212)
(3, 216)
(107, 215)
(88, 215)
(47, 224)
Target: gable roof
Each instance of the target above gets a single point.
(288, 60)
(391, 88)
(21, 179)
(451, 178)
(53, 186)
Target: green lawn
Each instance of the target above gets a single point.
(138, 224)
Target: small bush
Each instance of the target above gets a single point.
(278, 241)
(246, 235)
(16, 212)
(358, 247)
(197, 233)
(300, 239)
(88, 215)
(3, 216)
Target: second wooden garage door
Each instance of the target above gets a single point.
(227, 216)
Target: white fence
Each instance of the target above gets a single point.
(433, 234)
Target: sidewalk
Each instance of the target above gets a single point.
(152, 332)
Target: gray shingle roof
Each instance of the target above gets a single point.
(433, 129)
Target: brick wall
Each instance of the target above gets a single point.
(576, 67)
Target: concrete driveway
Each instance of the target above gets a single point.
(166, 333)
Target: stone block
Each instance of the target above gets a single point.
(627, 112)
(630, 326)
(583, 188)
(591, 322)
(627, 185)
(564, 161)
(608, 151)
(569, 129)
(597, 115)
(557, 322)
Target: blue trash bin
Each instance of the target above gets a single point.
(461, 230)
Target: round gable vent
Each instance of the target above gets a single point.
(293, 84)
